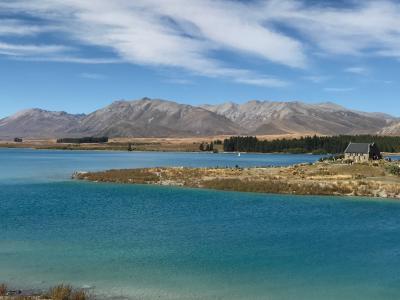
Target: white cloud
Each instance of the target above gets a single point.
(30, 49)
(12, 27)
(364, 27)
(339, 89)
(180, 81)
(95, 76)
(388, 81)
(190, 34)
(316, 78)
(70, 59)
(172, 33)
(49, 53)
(262, 81)
(357, 70)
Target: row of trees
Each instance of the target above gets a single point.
(310, 144)
(83, 140)
(206, 146)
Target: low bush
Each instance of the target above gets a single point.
(60, 292)
(394, 169)
(3, 289)
(66, 292)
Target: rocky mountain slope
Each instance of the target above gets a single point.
(148, 117)
(140, 118)
(160, 118)
(391, 130)
(267, 117)
(40, 123)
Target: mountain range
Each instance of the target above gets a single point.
(160, 118)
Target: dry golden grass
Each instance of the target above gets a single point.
(326, 178)
(178, 144)
(175, 145)
(66, 292)
(58, 292)
(3, 289)
(79, 295)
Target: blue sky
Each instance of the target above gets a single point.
(78, 56)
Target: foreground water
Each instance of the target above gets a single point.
(147, 242)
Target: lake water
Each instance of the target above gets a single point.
(146, 242)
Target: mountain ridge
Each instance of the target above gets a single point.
(302, 118)
(164, 118)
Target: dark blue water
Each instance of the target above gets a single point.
(148, 242)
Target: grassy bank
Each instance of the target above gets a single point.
(59, 292)
(120, 144)
(374, 179)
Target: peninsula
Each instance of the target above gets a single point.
(329, 177)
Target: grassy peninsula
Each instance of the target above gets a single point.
(372, 179)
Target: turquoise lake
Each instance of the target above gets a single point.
(150, 242)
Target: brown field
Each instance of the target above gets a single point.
(120, 144)
(323, 178)
(184, 144)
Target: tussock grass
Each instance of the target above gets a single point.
(67, 292)
(58, 292)
(140, 176)
(375, 179)
(22, 297)
(3, 289)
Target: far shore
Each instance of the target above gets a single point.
(162, 144)
(138, 145)
(379, 179)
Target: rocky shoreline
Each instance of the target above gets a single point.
(338, 178)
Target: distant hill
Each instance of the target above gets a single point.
(161, 118)
(156, 118)
(40, 123)
(140, 118)
(268, 117)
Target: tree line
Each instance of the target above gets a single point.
(309, 144)
(83, 140)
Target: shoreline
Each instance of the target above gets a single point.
(3, 146)
(57, 292)
(374, 179)
(166, 151)
(181, 145)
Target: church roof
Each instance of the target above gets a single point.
(363, 148)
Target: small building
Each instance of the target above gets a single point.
(17, 140)
(362, 152)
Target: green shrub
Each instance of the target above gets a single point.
(319, 152)
(394, 169)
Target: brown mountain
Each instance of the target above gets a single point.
(140, 118)
(268, 117)
(156, 118)
(394, 129)
(161, 118)
(39, 123)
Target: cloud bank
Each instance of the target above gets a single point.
(194, 35)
